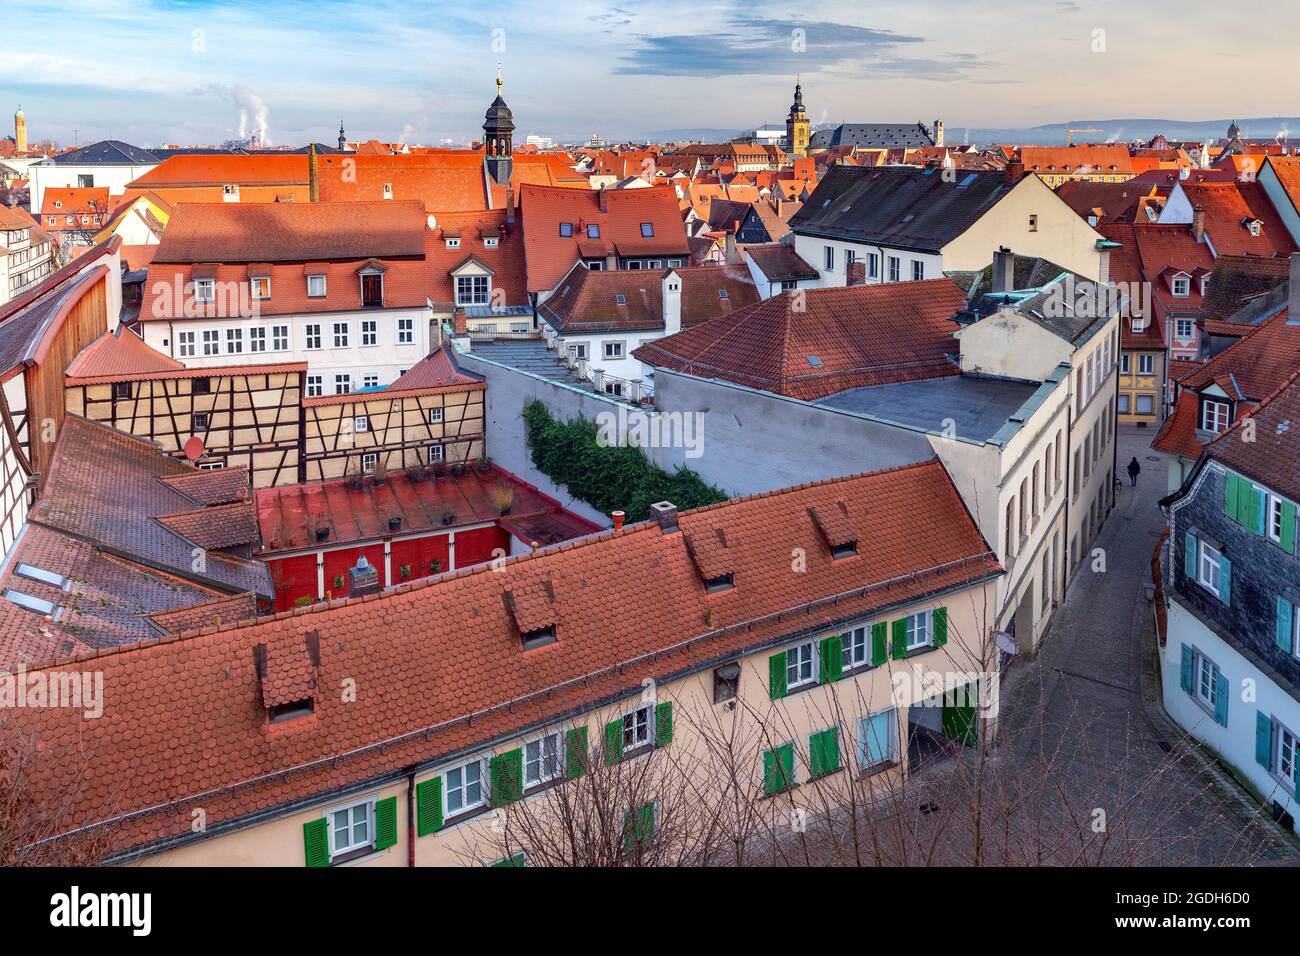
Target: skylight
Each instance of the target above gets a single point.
(814, 361)
(36, 604)
(40, 574)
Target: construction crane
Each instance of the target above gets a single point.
(1069, 133)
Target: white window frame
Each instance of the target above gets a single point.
(257, 339)
(1181, 287)
(1209, 567)
(369, 460)
(855, 650)
(1273, 517)
(918, 270)
(613, 351)
(324, 286)
(369, 332)
(638, 728)
(405, 331)
(361, 423)
(829, 258)
(370, 380)
(1205, 684)
(435, 416)
(434, 454)
(447, 789)
(801, 662)
(1281, 735)
(279, 338)
(211, 341)
(315, 386)
(1215, 413)
(264, 284)
(477, 291)
(895, 265)
(342, 383)
(337, 850)
(1146, 365)
(186, 346)
(311, 337)
(922, 624)
(205, 290)
(542, 769)
(341, 335)
(234, 341)
(890, 754)
(1191, 328)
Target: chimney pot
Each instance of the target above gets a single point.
(1004, 265)
(364, 579)
(618, 520)
(1198, 223)
(1014, 172)
(665, 513)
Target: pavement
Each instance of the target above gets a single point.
(1087, 711)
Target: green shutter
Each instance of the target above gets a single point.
(639, 827)
(1221, 700)
(385, 823)
(879, 643)
(824, 752)
(507, 777)
(1189, 557)
(1263, 740)
(575, 752)
(1288, 534)
(316, 842)
(663, 724)
(519, 859)
(428, 806)
(1185, 669)
(1225, 580)
(959, 721)
(776, 675)
(940, 626)
(1253, 520)
(1231, 494)
(832, 651)
(614, 742)
(1285, 623)
(900, 639)
(778, 769)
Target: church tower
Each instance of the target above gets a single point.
(498, 138)
(20, 131)
(796, 125)
(343, 139)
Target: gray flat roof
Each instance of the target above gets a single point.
(979, 406)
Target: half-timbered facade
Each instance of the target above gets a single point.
(247, 416)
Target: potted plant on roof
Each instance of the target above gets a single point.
(448, 516)
(439, 470)
(353, 475)
(458, 468)
(394, 522)
(380, 472)
(483, 465)
(415, 474)
(502, 498)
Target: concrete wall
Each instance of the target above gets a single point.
(755, 441)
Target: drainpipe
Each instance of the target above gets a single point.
(410, 817)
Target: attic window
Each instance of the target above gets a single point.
(846, 550)
(814, 361)
(490, 242)
(647, 230)
(388, 190)
(970, 178)
(566, 230)
(722, 293)
(723, 582)
(837, 529)
(539, 638)
(291, 710)
(593, 230)
(453, 243)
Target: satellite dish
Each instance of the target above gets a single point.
(1006, 643)
(433, 222)
(194, 449)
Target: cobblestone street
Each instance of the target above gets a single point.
(1090, 702)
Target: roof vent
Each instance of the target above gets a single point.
(364, 578)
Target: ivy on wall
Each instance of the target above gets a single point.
(607, 478)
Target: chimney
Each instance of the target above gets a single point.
(510, 205)
(672, 302)
(364, 579)
(1004, 270)
(938, 132)
(1014, 172)
(665, 512)
(313, 187)
(618, 520)
(1293, 287)
(1103, 268)
(1198, 223)
(604, 200)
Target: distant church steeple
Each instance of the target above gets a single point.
(498, 138)
(20, 131)
(343, 140)
(797, 127)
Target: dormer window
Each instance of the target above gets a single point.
(723, 582)
(539, 637)
(490, 242)
(372, 289)
(453, 242)
(261, 287)
(1216, 416)
(316, 287)
(566, 230)
(58, 204)
(388, 190)
(837, 529)
(846, 550)
(230, 192)
(291, 711)
(722, 293)
(1182, 286)
(1253, 226)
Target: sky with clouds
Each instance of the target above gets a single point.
(156, 71)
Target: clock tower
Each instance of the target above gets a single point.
(797, 127)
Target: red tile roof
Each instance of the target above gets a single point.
(1287, 170)
(780, 263)
(262, 169)
(506, 260)
(69, 201)
(119, 355)
(206, 614)
(437, 370)
(1227, 206)
(172, 734)
(588, 300)
(221, 486)
(812, 343)
(1238, 280)
(215, 527)
(1056, 160)
(292, 232)
(549, 255)
(1270, 456)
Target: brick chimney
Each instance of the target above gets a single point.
(1014, 172)
(1293, 288)
(618, 517)
(1004, 270)
(510, 205)
(1198, 223)
(313, 175)
(665, 512)
(604, 200)
(363, 579)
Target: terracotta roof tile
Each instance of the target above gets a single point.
(439, 369)
(217, 526)
(119, 353)
(186, 717)
(780, 263)
(1227, 206)
(1270, 457)
(206, 614)
(632, 299)
(812, 343)
(220, 486)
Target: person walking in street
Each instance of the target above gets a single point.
(1134, 469)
